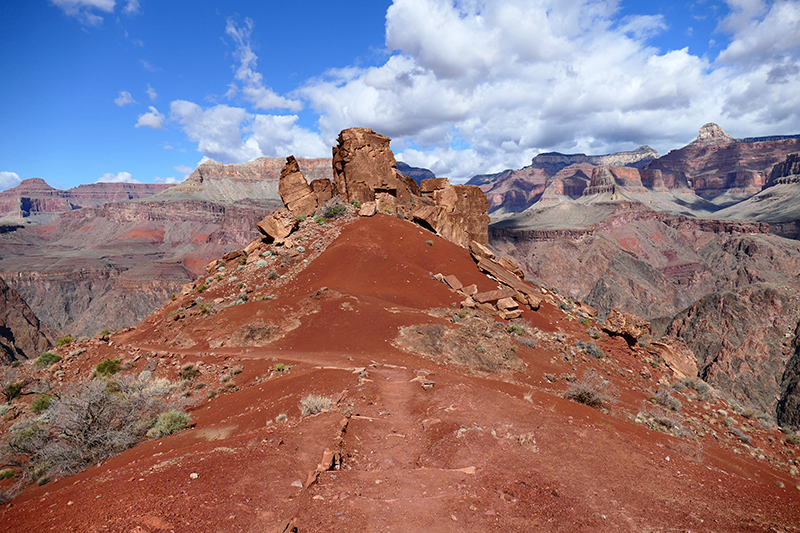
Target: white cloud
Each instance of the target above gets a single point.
(253, 88)
(121, 177)
(148, 66)
(151, 93)
(475, 86)
(8, 180)
(169, 181)
(124, 99)
(84, 10)
(132, 7)
(153, 119)
(185, 170)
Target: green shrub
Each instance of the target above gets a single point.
(356, 203)
(516, 330)
(201, 288)
(173, 297)
(301, 218)
(47, 359)
(320, 221)
(8, 474)
(279, 367)
(429, 242)
(793, 439)
(12, 391)
(41, 403)
(107, 367)
(64, 340)
(334, 211)
(169, 423)
(314, 403)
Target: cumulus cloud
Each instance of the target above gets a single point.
(132, 7)
(476, 86)
(124, 99)
(8, 180)
(151, 93)
(153, 119)
(481, 85)
(120, 177)
(86, 10)
(168, 181)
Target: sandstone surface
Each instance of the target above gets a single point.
(299, 198)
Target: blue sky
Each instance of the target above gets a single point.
(122, 90)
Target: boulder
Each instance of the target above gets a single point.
(368, 209)
(511, 266)
(676, 355)
(507, 304)
(491, 297)
(278, 225)
(295, 191)
(230, 256)
(478, 250)
(626, 324)
(453, 282)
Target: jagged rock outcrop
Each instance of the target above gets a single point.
(296, 193)
(676, 355)
(365, 171)
(788, 408)
(626, 324)
(787, 171)
(22, 336)
(364, 167)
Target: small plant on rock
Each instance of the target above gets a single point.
(516, 330)
(334, 211)
(314, 403)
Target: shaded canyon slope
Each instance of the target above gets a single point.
(22, 335)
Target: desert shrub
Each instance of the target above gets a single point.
(85, 425)
(592, 390)
(301, 218)
(64, 340)
(793, 439)
(528, 342)
(107, 367)
(356, 203)
(564, 306)
(279, 367)
(201, 288)
(429, 242)
(41, 403)
(12, 390)
(320, 221)
(593, 333)
(664, 398)
(334, 211)
(240, 268)
(206, 309)
(679, 386)
(168, 423)
(272, 275)
(47, 359)
(516, 330)
(189, 372)
(590, 348)
(261, 263)
(173, 297)
(314, 403)
(7, 474)
(281, 417)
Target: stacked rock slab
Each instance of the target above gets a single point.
(295, 191)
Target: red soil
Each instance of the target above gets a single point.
(476, 452)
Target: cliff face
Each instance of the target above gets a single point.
(552, 176)
(35, 198)
(22, 336)
(716, 164)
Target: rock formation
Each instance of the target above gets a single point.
(365, 171)
(299, 198)
(22, 336)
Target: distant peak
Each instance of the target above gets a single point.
(712, 134)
